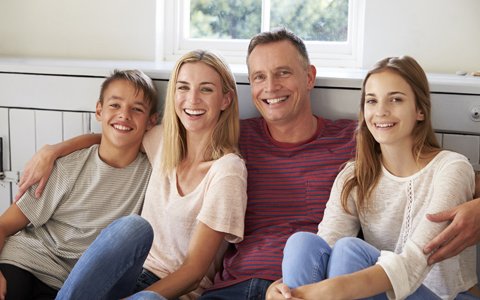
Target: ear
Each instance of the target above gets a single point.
(420, 115)
(311, 76)
(227, 99)
(152, 121)
(98, 111)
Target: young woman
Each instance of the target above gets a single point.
(195, 199)
(399, 175)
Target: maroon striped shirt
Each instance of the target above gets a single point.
(288, 187)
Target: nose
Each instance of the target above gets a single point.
(271, 84)
(382, 109)
(193, 96)
(125, 113)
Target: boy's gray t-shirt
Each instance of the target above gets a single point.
(83, 195)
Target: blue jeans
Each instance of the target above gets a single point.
(307, 258)
(110, 267)
(253, 289)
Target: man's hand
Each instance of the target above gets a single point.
(37, 170)
(462, 232)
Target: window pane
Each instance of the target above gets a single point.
(225, 19)
(312, 20)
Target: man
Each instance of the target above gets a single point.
(292, 159)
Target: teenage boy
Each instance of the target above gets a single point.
(41, 241)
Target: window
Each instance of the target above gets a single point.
(331, 28)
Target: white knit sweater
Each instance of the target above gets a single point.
(396, 224)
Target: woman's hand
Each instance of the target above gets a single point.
(37, 170)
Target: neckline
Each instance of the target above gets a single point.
(416, 174)
(194, 191)
(320, 127)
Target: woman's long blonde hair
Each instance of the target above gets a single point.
(367, 167)
(224, 138)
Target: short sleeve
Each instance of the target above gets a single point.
(39, 211)
(225, 200)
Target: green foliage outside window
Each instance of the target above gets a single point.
(313, 20)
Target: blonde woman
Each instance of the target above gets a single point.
(195, 199)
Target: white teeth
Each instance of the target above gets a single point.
(384, 125)
(121, 127)
(275, 100)
(194, 112)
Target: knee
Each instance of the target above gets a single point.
(349, 247)
(304, 243)
(350, 255)
(349, 243)
(299, 238)
(304, 240)
(134, 228)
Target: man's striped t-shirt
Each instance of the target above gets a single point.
(288, 187)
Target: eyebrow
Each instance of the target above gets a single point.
(115, 97)
(137, 102)
(203, 82)
(389, 94)
(255, 73)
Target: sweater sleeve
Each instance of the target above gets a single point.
(452, 184)
(336, 222)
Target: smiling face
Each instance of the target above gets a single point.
(390, 110)
(199, 97)
(280, 83)
(124, 116)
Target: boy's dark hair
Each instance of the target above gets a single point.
(140, 81)
(277, 35)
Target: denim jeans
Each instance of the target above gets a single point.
(253, 289)
(307, 258)
(110, 267)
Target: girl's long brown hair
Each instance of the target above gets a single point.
(367, 167)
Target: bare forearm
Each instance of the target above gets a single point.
(197, 262)
(176, 284)
(11, 221)
(361, 284)
(74, 144)
(365, 283)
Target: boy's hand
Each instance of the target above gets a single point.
(37, 170)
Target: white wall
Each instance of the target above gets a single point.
(78, 29)
(442, 34)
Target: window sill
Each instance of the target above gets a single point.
(326, 77)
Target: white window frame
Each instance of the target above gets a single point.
(172, 28)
